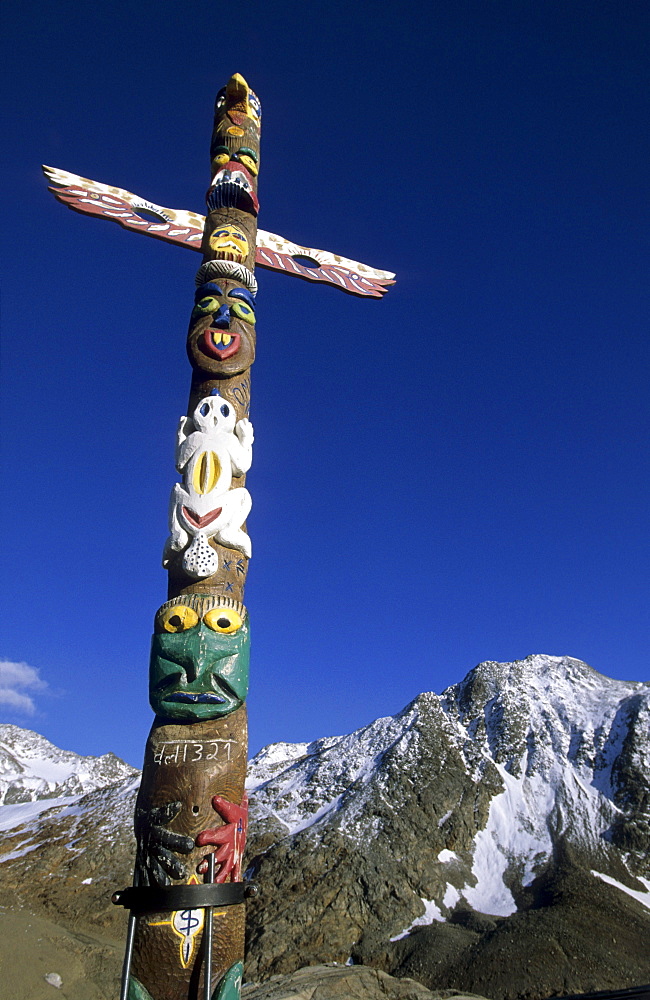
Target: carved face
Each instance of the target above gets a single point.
(199, 666)
(234, 151)
(213, 413)
(234, 181)
(230, 243)
(221, 338)
(237, 108)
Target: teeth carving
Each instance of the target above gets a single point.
(228, 186)
(221, 338)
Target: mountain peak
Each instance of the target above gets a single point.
(32, 768)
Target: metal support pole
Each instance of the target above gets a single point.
(128, 951)
(207, 937)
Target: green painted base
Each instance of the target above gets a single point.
(228, 988)
(137, 991)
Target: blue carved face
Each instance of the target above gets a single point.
(222, 328)
(199, 667)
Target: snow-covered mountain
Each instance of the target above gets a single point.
(32, 768)
(522, 787)
(501, 827)
(566, 752)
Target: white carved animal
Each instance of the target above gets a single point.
(212, 447)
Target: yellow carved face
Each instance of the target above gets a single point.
(230, 242)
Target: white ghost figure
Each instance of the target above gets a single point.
(212, 447)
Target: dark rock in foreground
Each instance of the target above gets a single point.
(578, 936)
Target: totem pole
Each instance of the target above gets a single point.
(186, 925)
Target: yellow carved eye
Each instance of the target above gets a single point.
(208, 304)
(223, 620)
(249, 163)
(178, 618)
(242, 311)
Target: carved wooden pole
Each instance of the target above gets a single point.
(192, 801)
(186, 924)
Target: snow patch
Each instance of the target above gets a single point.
(490, 894)
(13, 816)
(431, 912)
(315, 817)
(641, 897)
(446, 856)
(17, 852)
(451, 896)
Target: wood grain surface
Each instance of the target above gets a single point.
(190, 764)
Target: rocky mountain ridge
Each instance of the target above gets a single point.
(424, 843)
(492, 839)
(32, 768)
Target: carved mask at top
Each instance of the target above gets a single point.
(235, 148)
(221, 337)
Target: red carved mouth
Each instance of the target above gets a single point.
(240, 118)
(211, 343)
(200, 522)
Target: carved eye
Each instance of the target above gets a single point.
(247, 151)
(254, 104)
(250, 165)
(248, 157)
(178, 618)
(223, 620)
(242, 311)
(220, 155)
(206, 305)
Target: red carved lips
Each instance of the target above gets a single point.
(220, 344)
(200, 522)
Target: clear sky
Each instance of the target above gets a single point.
(456, 473)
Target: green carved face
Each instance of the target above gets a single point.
(199, 667)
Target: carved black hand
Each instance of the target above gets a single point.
(156, 863)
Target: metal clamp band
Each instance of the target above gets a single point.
(154, 899)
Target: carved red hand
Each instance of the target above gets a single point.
(230, 839)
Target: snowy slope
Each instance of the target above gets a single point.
(572, 748)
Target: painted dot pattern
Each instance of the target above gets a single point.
(200, 560)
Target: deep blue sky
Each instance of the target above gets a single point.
(456, 473)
